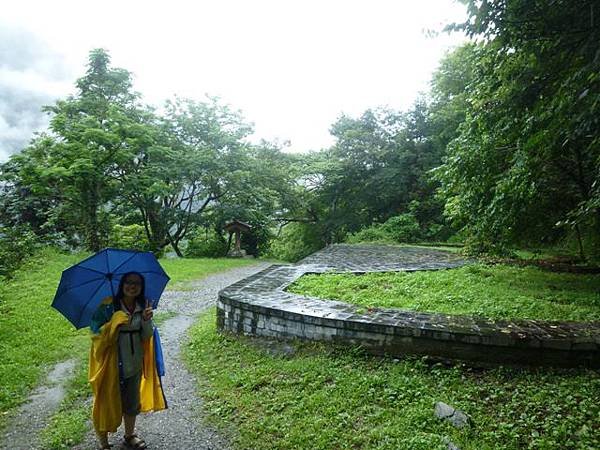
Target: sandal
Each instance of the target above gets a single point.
(134, 442)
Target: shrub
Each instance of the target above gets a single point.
(16, 245)
(374, 233)
(397, 229)
(402, 228)
(295, 242)
(590, 243)
(131, 237)
(206, 243)
(256, 241)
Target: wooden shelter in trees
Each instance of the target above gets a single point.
(236, 227)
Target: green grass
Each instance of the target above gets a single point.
(332, 398)
(498, 291)
(34, 336)
(183, 271)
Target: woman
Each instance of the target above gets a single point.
(122, 365)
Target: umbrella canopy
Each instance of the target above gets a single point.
(83, 286)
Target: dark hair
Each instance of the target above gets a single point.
(140, 299)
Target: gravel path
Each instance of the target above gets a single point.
(32, 417)
(178, 427)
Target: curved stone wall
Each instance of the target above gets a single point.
(260, 306)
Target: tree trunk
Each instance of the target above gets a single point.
(175, 244)
(579, 241)
(92, 227)
(158, 235)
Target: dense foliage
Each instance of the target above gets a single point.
(502, 152)
(110, 165)
(526, 161)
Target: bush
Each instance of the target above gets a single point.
(397, 229)
(296, 241)
(205, 243)
(374, 233)
(256, 241)
(16, 245)
(131, 237)
(402, 228)
(590, 241)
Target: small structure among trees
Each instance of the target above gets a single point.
(236, 227)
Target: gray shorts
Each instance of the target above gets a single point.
(130, 395)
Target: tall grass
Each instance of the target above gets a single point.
(33, 335)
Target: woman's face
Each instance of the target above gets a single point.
(132, 285)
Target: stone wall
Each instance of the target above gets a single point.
(260, 306)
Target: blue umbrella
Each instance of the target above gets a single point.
(83, 286)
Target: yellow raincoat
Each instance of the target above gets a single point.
(103, 376)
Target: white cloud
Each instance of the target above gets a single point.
(31, 76)
(291, 66)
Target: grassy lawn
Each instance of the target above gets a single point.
(498, 291)
(332, 398)
(34, 336)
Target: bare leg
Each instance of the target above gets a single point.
(129, 422)
(131, 439)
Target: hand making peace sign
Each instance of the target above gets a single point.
(148, 312)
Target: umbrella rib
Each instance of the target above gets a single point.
(88, 302)
(82, 284)
(124, 262)
(87, 268)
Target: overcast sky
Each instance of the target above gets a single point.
(292, 67)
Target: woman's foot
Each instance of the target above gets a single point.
(134, 442)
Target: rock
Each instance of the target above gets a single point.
(456, 417)
(450, 445)
(443, 411)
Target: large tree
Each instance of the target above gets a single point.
(527, 157)
(198, 170)
(377, 168)
(31, 194)
(93, 130)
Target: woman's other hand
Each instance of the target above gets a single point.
(147, 313)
